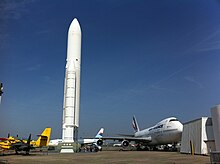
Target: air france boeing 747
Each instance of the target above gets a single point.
(167, 131)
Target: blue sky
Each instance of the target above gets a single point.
(152, 59)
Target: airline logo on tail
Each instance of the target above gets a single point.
(135, 124)
(100, 133)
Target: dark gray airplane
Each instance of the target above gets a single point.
(22, 146)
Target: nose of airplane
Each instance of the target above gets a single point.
(180, 127)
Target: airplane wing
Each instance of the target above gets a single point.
(125, 140)
(122, 138)
(3, 139)
(126, 135)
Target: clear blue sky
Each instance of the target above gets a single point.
(152, 59)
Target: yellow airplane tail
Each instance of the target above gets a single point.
(44, 138)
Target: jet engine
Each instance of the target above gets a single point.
(100, 142)
(125, 143)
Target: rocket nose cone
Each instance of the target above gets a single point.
(75, 27)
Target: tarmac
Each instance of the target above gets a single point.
(105, 157)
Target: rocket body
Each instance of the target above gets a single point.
(72, 83)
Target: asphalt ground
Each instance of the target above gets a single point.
(104, 157)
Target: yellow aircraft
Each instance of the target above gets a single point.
(43, 140)
(5, 143)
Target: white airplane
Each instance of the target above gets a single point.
(55, 142)
(167, 131)
(92, 140)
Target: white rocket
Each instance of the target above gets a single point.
(72, 84)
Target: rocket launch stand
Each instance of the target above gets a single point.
(67, 147)
(71, 147)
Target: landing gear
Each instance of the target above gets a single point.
(170, 147)
(174, 147)
(142, 148)
(154, 148)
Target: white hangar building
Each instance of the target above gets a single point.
(202, 136)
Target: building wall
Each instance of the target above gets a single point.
(208, 136)
(198, 133)
(191, 133)
(215, 112)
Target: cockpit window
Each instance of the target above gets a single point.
(156, 127)
(173, 120)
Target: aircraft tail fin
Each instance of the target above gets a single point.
(29, 139)
(44, 138)
(1, 89)
(135, 124)
(100, 133)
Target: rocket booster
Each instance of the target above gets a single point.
(72, 83)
